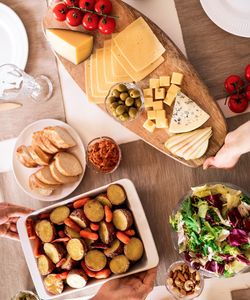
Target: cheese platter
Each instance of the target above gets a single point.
(176, 103)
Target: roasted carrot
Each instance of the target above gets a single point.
(105, 273)
(30, 229)
(108, 214)
(89, 235)
(130, 232)
(94, 226)
(122, 237)
(61, 262)
(87, 270)
(37, 247)
(72, 225)
(80, 202)
(61, 233)
(43, 216)
(62, 275)
(70, 205)
(61, 240)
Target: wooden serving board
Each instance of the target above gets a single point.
(192, 85)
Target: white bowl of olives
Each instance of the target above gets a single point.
(124, 101)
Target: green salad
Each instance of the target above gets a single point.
(213, 227)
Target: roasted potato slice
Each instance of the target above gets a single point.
(104, 200)
(45, 265)
(94, 211)
(76, 249)
(106, 232)
(122, 219)
(59, 214)
(68, 264)
(115, 249)
(45, 230)
(77, 278)
(134, 249)
(95, 260)
(116, 194)
(119, 264)
(53, 284)
(71, 233)
(54, 251)
(79, 217)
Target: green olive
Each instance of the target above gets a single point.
(122, 88)
(111, 99)
(120, 102)
(134, 93)
(114, 114)
(129, 101)
(124, 117)
(116, 93)
(132, 112)
(120, 110)
(124, 96)
(113, 106)
(138, 102)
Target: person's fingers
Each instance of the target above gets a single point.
(150, 277)
(13, 219)
(12, 235)
(18, 211)
(209, 162)
(4, 229)
(13, 227)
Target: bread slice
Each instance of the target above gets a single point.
(67, 164)
(45, 176)
(59, 177)
(59, 137)
(51, 147)
(38, 142)
(40, 187)
(39, 156)
(24, 157)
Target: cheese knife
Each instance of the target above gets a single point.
(9, 106)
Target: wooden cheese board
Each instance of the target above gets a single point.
(175, 61)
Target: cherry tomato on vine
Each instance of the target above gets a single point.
(247, 72)
(60, 11)
(74, 17)
(72, 2)
(233, 83)
(247, 91)
(87, 4)
(107, 25)
(103, 6)
(238, 103)
(90, 21)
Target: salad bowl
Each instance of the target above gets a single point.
(211, 229)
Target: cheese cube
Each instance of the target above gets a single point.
(73, 45)
(161, 123)
(148, 93)
(157, 105)
(171, 94)
(148, 102)
(149, 126)
(177, 78)
(154, 83)
(164, 81)
(151, 114)
(160, 93)
(160, 114)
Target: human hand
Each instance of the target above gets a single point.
(133, 287)
(9, 214)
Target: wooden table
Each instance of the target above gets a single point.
(160, 182)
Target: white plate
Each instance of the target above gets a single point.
(231, 15)
(22, 173)
(14, 42)
(149, 260)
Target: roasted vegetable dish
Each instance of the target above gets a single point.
(89, 238)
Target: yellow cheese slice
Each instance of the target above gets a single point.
(138, 45)
(101, 83)
(200, 151)
(96, 91)
(72, 45)
(179, 138)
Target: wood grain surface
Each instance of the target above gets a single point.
(160, 182)
(241, 294)
(174, 61)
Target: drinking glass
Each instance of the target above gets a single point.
(15, 83)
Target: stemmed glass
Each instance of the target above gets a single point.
(15, 83)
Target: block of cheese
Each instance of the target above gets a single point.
(171, 94)
(161, 123)
(160, 114)
(149, 126)
(187, 115)
(136, 76)
(148, 102)
(157, 105)
(139, 45)
(164, 81)
(72, 45)
(148, 93)
(154, 83)
(177, 78)
(160, 93)
(151, 114)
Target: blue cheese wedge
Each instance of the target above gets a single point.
(187, 115)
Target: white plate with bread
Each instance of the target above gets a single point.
(48, 160)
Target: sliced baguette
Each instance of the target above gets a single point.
(51, 147)
(59, 177)
(40, 157)
(67, 164)
(38, 142)
(59, 137)
(40, 187)
(45, 176)
(24, 157)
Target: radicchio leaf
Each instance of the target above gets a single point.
(243, 259)
(246, 224)
(235, 218)
(215, 201)
(215, 267)
(237, 237)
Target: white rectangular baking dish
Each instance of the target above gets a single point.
(149, 260)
